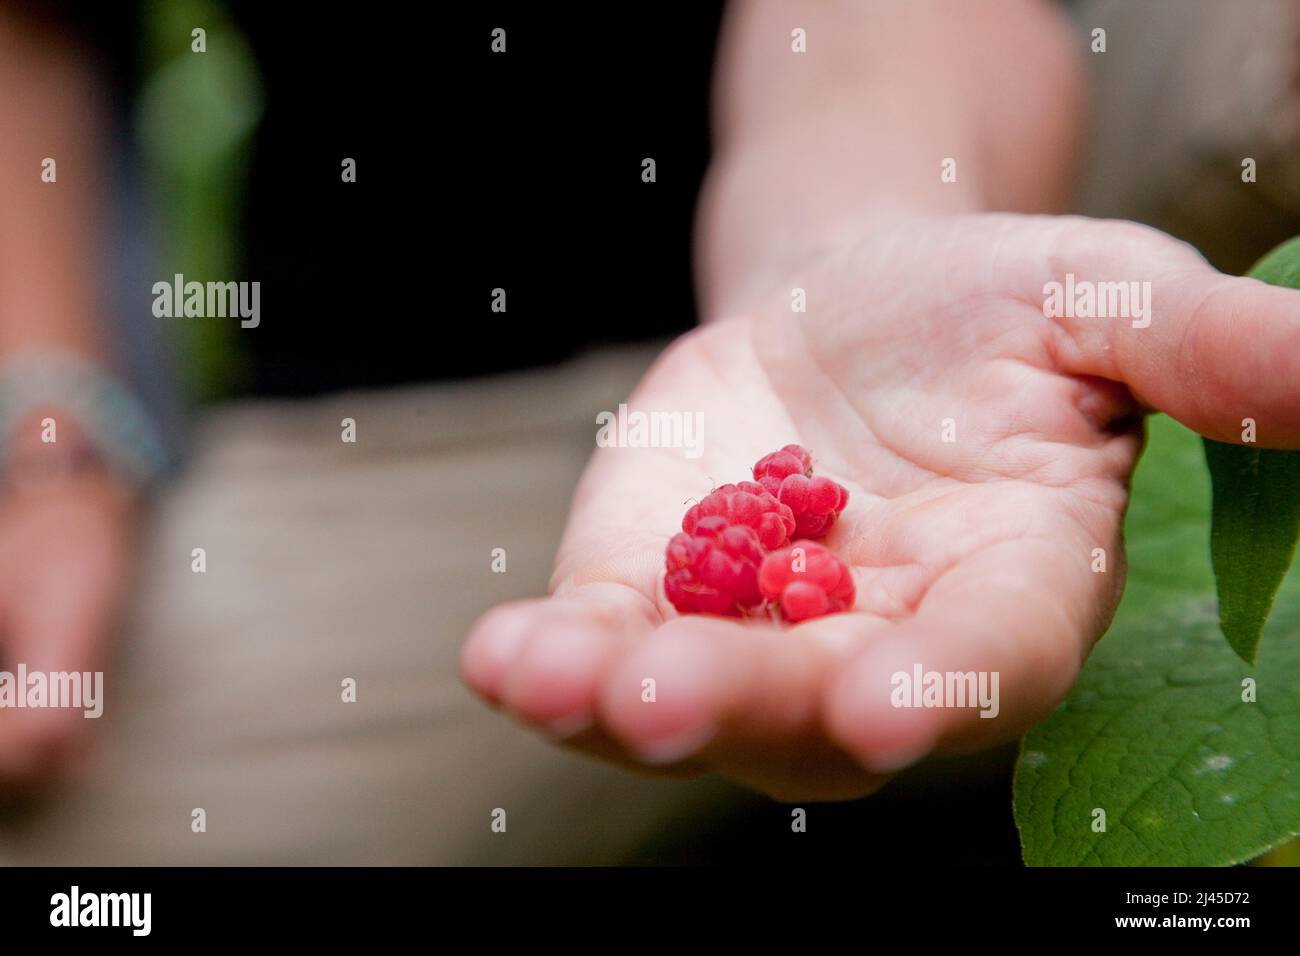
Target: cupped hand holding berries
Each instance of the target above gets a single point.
(985, 448)
(967, 554)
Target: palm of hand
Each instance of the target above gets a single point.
(985, 468)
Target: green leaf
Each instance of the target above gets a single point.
(1256, 517)
(1252, 534)
(1280, 266)
(1156, 732)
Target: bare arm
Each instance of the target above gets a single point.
(65, 522)
(49, 262)
(809, 144)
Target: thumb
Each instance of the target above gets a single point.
(1211, 351)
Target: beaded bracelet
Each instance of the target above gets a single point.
(113, 419)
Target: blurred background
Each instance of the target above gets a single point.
(328, 560)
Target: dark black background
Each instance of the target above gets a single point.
(555, 131)
(476, 171)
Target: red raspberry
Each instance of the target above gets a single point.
(790, 460)
(806, 585)
(745, 504)
(714, 568)
(814, 502)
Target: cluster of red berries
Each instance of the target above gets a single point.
(747, 545)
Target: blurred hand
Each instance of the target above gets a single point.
(63, 561)
(970, 555)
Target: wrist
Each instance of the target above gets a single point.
(751, 236)
(46, 450)
(61, 417)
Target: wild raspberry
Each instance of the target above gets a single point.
(806, 580)
(748, 504)
(815, 503)
(714, 568)
(771, 470)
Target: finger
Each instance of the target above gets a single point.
(545, 660)
(708, 686)
(1218, 349)
(1228, 351)
(1018, 616)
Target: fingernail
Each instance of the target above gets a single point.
(675, 747)
(892, 760)
(486, 657)
(567, 727)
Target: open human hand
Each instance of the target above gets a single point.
(987, 449)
